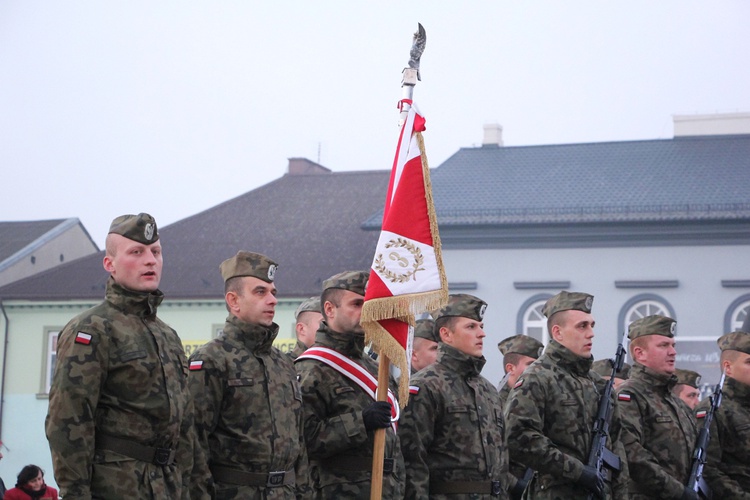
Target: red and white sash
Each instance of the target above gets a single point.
(354, 372)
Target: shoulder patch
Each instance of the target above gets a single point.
(83, 338)
(518, 384)
(413, 389)
(196, 365)
(623, 396)
(701, 414)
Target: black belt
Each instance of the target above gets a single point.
(355, 464)
(466, 487)
(129, 448)
(269, 480)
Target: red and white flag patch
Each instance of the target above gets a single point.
(518, 384)
(623, 396)
(701, 414)
(413, 389)
(196, 365)
(83, 338)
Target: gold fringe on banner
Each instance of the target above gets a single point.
(385, 345)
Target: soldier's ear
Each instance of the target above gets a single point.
(446, 335)
(556, 332)
(232, 301)
(107, 263)
(328, 308)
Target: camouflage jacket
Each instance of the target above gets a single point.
(659, 434)
(298, 349)
(339, 447)
(550, 415)
(120, 372)
(453, 427)
(248, 409)
(727, 470)
(517, 470)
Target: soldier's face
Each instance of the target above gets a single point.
(515, 371)
(134, 266)
(308, 323)
(576, 332)
(466, 335)
(658, 353)
(257, 302)
(424, 353)
(344, 318)
(689, 395)
(739, 368)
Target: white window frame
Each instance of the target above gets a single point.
(536, 309)
(50, 357)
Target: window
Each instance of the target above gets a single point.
(51, 360)
(641, 306)
(737, 313)
(531, 321)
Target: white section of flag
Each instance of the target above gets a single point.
(399, 260)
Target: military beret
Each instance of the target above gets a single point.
(464, 305)
(521, 344)
(652, 325)
(735, 341)
(688, 377)
(604, 368)
(249, 264)
(311, 304)
(565, 301)
(425, 329)
(354, 281)
(141, 228)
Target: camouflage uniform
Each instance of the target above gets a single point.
(658, 433)
(549, 421)
(453, 429)
(248, 410)
(339, 447)
(128, 380)
(298, 350)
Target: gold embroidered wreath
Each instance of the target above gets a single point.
(414, 250)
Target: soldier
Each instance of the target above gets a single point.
(425, 349)
(551, 410)
(308, 317)
(687, 388)
(248, 406)
(338, 382)
(518, 351)
(603, 368)
(728, 468)
(452, 430)
(658, 428)
(120, 420)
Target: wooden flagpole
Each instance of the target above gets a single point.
(378, 452)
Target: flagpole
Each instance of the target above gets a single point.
(410, 76)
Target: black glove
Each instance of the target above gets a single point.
(689, 494)
(377, 415)
(592, 481)
(516, 492)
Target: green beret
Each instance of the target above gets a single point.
(464, 305)
(735, 341)
(425, 329)
(249, 264)
(311, 304)
(604, 368)
(688, 377)
(521, 344)
(652, 325)
(354, 281)
(565, 301)
(141, 228)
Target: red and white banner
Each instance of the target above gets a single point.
(407, 276)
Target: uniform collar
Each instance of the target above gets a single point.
(139, 303)
(564, 357)
(735, 389)
(349, 344)
(257, 338)
(653, 378)
(459, 362)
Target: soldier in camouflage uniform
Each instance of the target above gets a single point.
(728, 468)
(248, 406)
(603, 368)
(425, 347)
(120, 421)
(518, 351)
(659, 430)
(687, 387)
(551, 409)
(308, 317)
(452, 431)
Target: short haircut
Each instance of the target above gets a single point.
(110, 246)
(636, 342)
(559, 318)
(513, 358)
(332, 295)
(28, 473)
(729, 355)
(447, 322)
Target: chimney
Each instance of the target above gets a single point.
(493, 135)
(715, 124)
(299, 166)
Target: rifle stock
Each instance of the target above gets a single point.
(700, 455)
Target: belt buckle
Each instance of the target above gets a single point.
(275, 479)
(495, 488)
(387, 466)
(162, 456)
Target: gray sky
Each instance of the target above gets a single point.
(172, 107)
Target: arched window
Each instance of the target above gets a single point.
(737, 314)
(531, 321)
(641, 306)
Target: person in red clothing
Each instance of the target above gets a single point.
(30, 485)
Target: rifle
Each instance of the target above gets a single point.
(696, 481)
(599, 455)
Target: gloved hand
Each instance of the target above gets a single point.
(592, 481)
(689, 494)
(516, 492)
(377, 415)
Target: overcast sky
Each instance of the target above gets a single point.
(172, 107)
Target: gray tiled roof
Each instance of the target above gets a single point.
(308, 223)
(16, 235)
(688, 178)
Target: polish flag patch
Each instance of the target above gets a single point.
(701, 414)
(623, 396)
(413, 389)
(518, 384)
(196, 365)
(83, 338)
